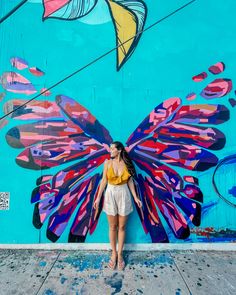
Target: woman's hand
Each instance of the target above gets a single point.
(96, 203)
(138, 202)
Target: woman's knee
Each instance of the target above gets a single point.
(113, 227)
(121, 227)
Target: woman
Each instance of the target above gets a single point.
(117, 175)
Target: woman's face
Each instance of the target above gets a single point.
(114, 152)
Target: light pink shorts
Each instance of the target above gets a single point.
(117, 200)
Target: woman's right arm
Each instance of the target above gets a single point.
(103, 181)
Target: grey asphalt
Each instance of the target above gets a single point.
(53, 272)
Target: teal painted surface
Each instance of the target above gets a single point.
(161, 67)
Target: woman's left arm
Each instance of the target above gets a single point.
(133, 191)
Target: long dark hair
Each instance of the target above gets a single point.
(125, 157)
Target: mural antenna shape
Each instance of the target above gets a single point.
(98, 58)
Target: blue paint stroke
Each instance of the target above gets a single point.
(151, 262)
(207, 207)
(63, 279)
(94, 276)
(49, 292)
(232, 191)
(42, 263)
(115, 281)
(86, 262)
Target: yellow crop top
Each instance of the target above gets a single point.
(117, 179)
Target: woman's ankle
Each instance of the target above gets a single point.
(120, 254)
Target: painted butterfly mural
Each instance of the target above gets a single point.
(172, 135)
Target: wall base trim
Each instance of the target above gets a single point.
(127, 247)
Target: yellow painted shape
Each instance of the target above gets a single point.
(125, 24)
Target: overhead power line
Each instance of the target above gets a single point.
(12, 11)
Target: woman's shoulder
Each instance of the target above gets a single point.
(108, 162)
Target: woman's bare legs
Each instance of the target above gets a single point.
(113, 225)
(122, 220)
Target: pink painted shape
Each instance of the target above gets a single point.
(155, 117)
(2, 95)
(191, 96)
(43, 217)
(12, 77)
(218, 88)
(199, 77)
(36, 72)
(51, 6)
(85, 230)
(19, 63)
(189, 179)
(23, 157)
(3, 123)
(217, 68)
(46, 93)
(82, 215)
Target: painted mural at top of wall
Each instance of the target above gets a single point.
(174, 134)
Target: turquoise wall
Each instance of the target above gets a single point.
(166, 58)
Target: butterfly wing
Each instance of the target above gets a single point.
(84, 217)
(150, 221)
(66, 132)
(80, 116)
(172, 135)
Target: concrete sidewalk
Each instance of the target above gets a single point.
(79, 272)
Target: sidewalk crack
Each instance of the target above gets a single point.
(48, 273)
(190, 293)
